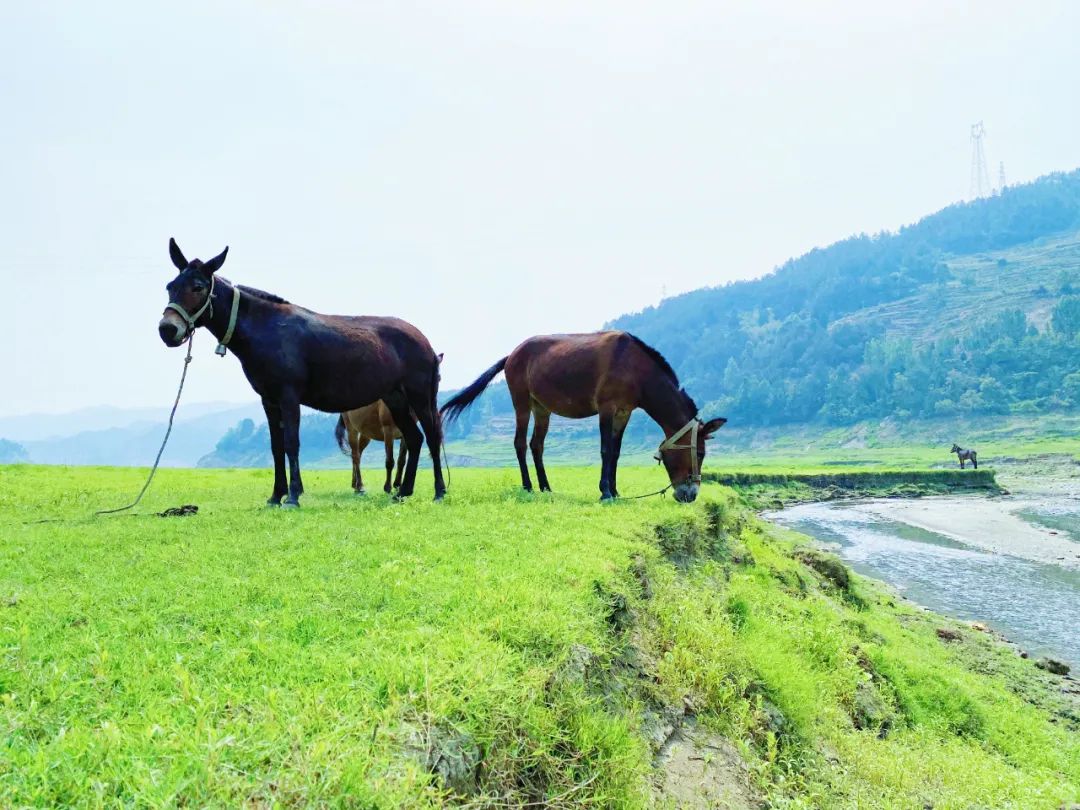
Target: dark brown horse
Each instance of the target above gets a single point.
(293, 356)
(605, 373)
(357, 428)
(965, 455)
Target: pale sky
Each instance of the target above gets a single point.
(486, 170)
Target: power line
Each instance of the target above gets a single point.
(980, 175)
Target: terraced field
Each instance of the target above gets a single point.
(983, 285)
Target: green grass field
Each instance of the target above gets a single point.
(493, 650)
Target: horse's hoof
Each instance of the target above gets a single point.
(439, 496)
(272, 504)
(290, 505)
(359, 492)
(604, 498)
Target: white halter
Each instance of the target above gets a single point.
(671, 443)
(191, 319)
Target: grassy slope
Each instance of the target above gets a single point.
(319, 656)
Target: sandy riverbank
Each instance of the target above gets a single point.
(986, 523)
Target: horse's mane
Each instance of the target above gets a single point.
(666, 368)
(263, 294)
(255, 292)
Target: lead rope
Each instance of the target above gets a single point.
(647, 495)
(172, 415)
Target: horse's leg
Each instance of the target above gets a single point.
(536, 444)
(428, 414)
(277, 449)
(358, 451)
(400, 464)
(410, 433)
(353, 438)
(606, 425)
(618, 428)
(974, 461)
(388, 442)
(290, 417)
(422, 403)
(521, 416)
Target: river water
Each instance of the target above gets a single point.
(1035, 604)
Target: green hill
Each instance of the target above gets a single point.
(981, 287)
(971, 310)
(12, 452)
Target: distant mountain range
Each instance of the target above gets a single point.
(122, 436)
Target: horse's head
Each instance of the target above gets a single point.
(682, 454)
(955, 448)
(189, 296)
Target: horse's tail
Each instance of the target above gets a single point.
(436, 415)
(339, 434)
(453, 407)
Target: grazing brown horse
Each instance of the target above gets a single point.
(605, 373)
(359, 427)
(293, 356)
(965, 455)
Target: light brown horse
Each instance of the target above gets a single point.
(602, 373)
(361, 426)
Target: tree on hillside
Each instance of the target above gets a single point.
(1066, 317)
(12, 452)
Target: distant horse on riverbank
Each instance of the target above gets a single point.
(965, 455)
(607, 374)
(293, 356)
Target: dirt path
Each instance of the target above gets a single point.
(699, 769)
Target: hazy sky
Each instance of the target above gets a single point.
(487, 171)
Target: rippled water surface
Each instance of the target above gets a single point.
(1034, 604)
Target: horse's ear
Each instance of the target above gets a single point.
(438, 358)
(712, 426)
(177, 255)
(213, 265)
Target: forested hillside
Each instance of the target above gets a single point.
(248, 443)
(974, 309)
(12, 452)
